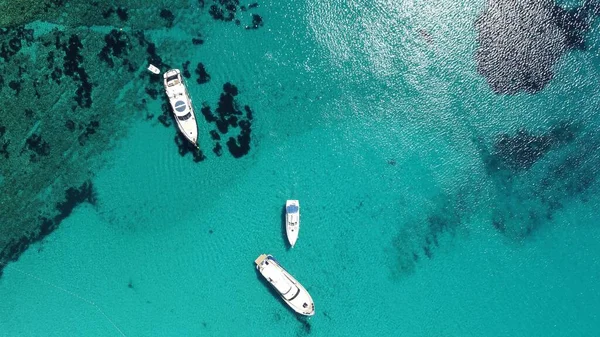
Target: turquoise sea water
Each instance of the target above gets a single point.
(374, 116)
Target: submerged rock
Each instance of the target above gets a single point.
(521, 41)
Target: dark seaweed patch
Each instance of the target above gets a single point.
(203, 76)
(70, 125)
(165, 117)
(168, 16)
(12, 40)
(528, 195)
(50, 59)
(218, 149)
(16, 86)
(520, 41)
(153, 93)
(37, 145)
(227, 10)
(521, 151)
(117, 45)
(207, 113)
(229, 116)
(186, 69)
(240, 146)
(107, 13)
(153, 57)
(215, 135)
(197, 41)
(73, 197)
(257, 22)
(122, 13)
(4, 149)
(89, 130)
(73, 69)
(4, 144)
(56, 75)
(443, 220)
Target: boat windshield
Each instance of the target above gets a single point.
(292, 209)
(185, 117)
(276, 278)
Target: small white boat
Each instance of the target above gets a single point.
(181, 105)
(292, 292)
(153, 69)
(292, 220)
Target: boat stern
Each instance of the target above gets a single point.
(260, 259)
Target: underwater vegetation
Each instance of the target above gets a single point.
(536, 182)
(519, 42)
(231, 11)
(66, 115)
(229, 116)
(530, 175)
(73, 197)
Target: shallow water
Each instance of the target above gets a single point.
(431, 205)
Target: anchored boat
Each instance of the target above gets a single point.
(290, 290)
(292, 220)
(181, 105)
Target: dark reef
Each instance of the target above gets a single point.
(13, 40)
(153, 57)
(521, 41)
(16, 86)
(186, 69)
(4, 143)
(203, 76)
(89, 130)
(73, 197)
(257, 22)
(445, 219)
(529, 187)
(38, 146)
(166, 115)
(228, 10)
(120, 11)
(117, 45)
(519, 152)
(72, 68)
(168, 16)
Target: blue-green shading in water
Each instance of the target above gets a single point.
(449, 185)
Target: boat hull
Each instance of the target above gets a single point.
(181, 105)
(292, 221)
(301, 302)
(189, 129)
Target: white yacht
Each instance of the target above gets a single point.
(292, 220)
(292, 292)
(181, 105)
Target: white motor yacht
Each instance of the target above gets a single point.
(292, 292)
(292, 220)
(181, 105)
